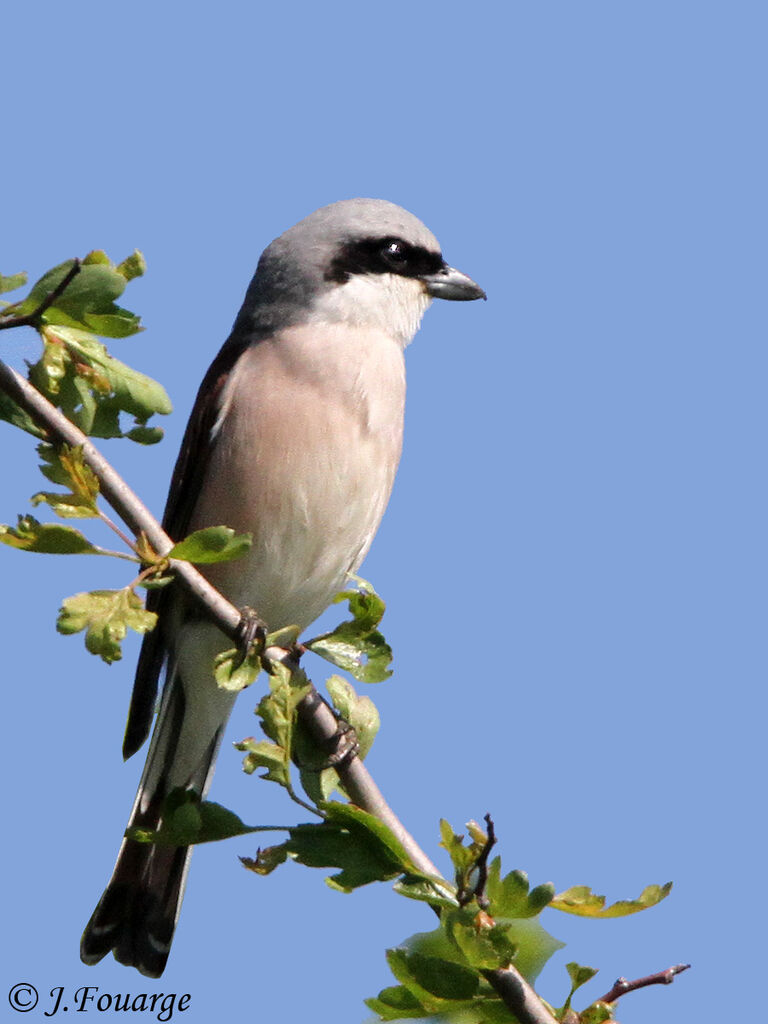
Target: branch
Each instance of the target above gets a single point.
(513, 989)
(123, 500)
(33, 318)
(622, 986)
(518, 996)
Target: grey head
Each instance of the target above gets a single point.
(365, 262)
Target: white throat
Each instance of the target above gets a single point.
(389, 302)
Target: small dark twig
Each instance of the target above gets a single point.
(622, 986)
(482, 864)
(32, 319)
(477, 891)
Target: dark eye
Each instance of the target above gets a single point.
(395, 253)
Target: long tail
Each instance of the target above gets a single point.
(137, 914)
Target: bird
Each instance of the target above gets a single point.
(295, 437)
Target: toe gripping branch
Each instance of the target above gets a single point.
(251, 636)
(339, 748)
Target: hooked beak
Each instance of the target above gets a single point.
(450, 283)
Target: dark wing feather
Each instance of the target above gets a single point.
(187, 479)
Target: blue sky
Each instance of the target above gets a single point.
(574, 556)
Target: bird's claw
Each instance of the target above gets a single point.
(342, 746)
(250, 636)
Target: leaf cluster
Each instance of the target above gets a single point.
(444, 972)
(104, 615)
(75, 371)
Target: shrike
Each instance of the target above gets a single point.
(295, 437)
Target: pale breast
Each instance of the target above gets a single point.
(305, 456)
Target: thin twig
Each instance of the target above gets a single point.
(33, 318)
(482, 864)
(116, 529)
(516, 993)
(622, 986)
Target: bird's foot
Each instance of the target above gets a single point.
(341, 747)
(251, 635)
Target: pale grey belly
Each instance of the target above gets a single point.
(312, 512)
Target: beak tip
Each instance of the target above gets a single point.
(450, 283)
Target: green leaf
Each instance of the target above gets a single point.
(508, 896)
(331, 845)
(434, 982)
(265, 754)
(156, 582)
(120, 324)
(364, 656)
(396, 1003)
(137, 393)
(132, 266)
(277, 709)
(353, 840)
(94, 288)
(580, 900)
(106, 615)
(144, 435)
(233, 672)
(437, 893)
(186, 820)
(597, 1013)
(365, 604)
(90, 293)
(47, 538)
(266, 860)
(356, 645)
(579, 976)
(462, 857)
(534, 945)
(318, 783)
(540, 897)
(67, 466)
(213, 544)
(10, 282)
(98, 257)
(360, 712)
(93, 388)
(15, 415)
(285, 637)
(483, 946)
(377, 833)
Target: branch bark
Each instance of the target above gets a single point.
(518, 996)
(511, 986)
(622, 986)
